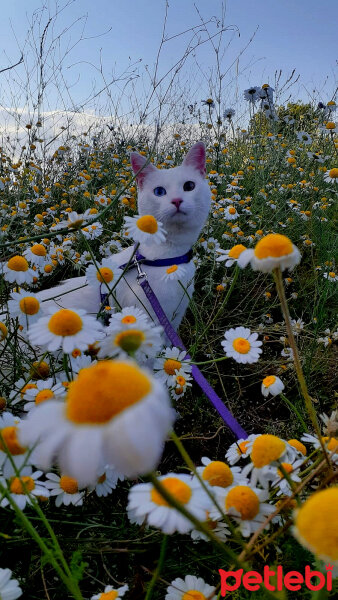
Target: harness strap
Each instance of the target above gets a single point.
(159, 262)
(205, 386)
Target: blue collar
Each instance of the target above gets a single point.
(160, 262)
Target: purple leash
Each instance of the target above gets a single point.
(175, 339)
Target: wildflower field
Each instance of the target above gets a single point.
(118, 476)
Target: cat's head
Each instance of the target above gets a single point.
(178, 197)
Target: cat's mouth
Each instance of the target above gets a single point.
(179, 212)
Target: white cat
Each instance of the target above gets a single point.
(180, 199)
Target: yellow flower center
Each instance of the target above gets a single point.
(130, 340)
(180, 490)
(147, 223)
(232, 210)
(332, 274)
(29, 305)
(333, 173)
(172, 269)
(330, 125)
(102, 478)
(331, 444)
(273, 244)
(171, 365)
(17, 485)
(43, 395)
(3, 331)
(317, 523)
(9, 439)
(17, 263)
(267, 381)
(244, 500)
(218, 473)
(39, 250)
(69, 484)
(112, 595)
(128, 319)
(105, 275)
(298, 445)
(48, 268)
(40, 369)
(287, 467)
(193, 595)
(242, 447)
(103, 390)
(265, 449)
(241, 345)
(236, 251)
(65, 322)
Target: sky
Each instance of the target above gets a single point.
(291, 34)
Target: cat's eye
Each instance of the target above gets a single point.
(188, 186)
(160, 191)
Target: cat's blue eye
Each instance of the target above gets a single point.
(188, 186)
(160, 191)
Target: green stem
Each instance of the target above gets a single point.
(295, 410)
(158, 569)
(49, 555)
(299, 371)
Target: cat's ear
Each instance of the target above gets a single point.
(137, 162)
(196, 158)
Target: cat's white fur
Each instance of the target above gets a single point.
(183, 224)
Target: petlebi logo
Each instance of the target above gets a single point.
(276, 580)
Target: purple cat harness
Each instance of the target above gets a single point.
(172, 335)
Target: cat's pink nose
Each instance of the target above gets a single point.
(177, 202)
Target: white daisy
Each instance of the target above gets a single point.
(230, 213)
(111, 593)
(105, 272)
(190, 587)
(174, 272)
(25, 306)
(331, 276)
(13, 456)
(123, 339)
(245, 504)
(106, 481)
(230, 256)
(144, 501)
(179, 382)
(92, 231)
(65, 328)
(331, 176)
(65, 488)
(145, 229)
(169, 363)
(218, 473)
(218, 528)
(45, 390)
(272, 251)
(292, 469)
(130, 316)
(9, 588)
(109, 411)
(304, 137)
(17, 270)
(266, 453)
(239, 449)
(330, 443)
(36, 254)
(272, 385)
(21, 487)
(242, 345)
